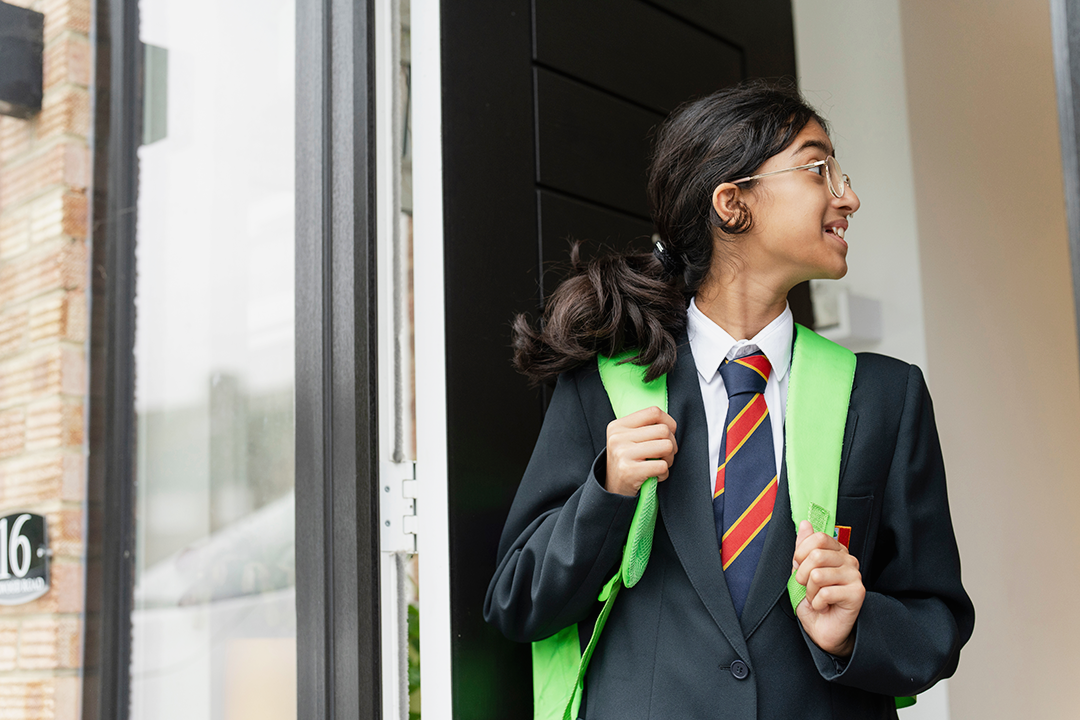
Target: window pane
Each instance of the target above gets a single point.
(214, 625)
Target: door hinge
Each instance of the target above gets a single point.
(397, 508)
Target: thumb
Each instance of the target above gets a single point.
(805, 531)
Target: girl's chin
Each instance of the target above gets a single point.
(835, 272)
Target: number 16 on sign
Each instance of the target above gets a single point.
(24, 566)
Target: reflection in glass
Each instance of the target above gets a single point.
(214, 625)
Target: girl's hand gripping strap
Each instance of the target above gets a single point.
(626, 388)
(819, 391)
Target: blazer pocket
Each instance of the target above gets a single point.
(853, 514)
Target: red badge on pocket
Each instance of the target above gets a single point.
(843, 534)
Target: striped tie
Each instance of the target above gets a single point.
(746, 479)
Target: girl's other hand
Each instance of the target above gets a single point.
(639, 446)
(834, 590)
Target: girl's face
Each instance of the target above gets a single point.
(798, 227)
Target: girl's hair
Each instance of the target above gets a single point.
(623, 301)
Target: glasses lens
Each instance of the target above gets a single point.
(836, 176)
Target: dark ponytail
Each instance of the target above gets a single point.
(617, 302)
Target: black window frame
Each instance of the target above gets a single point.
(337, 532)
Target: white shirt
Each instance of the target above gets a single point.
(711, 345)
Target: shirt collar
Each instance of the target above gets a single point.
(711, 344)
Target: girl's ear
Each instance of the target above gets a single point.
(727, 203)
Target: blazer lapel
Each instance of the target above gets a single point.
(685, 503)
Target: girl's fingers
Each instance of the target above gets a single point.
(848, 594)
(649, 450)
(654, 468)
(639, 446)
(636, 471)
(805, 545)
(639, 434)
(823, 577)
(627, 481)
(647, 416)
(820, 558)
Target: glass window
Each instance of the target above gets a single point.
(214, 622)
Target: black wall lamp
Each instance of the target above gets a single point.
(22, 40)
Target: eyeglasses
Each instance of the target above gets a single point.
(836, 179)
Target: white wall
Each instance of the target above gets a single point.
(1001, 341)
(851, 68)
(850, 65)
(972, 267)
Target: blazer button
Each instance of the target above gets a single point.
(739, 670)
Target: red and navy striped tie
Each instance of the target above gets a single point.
(746, 479)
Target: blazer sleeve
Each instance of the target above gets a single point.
(916, 615)
(564, 535)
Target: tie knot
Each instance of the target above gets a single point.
(747, 374)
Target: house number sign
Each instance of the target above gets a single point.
(24, 558)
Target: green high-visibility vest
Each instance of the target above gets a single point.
(819, 391)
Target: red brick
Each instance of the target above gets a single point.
(14, 332)
(53, 424)
(9, 645)
(53, 214)
(67, 694)
(67, 60)
(22, 699)
(30, 377)
(49, 644)
(61, 316)
(31, 175)
(64, 110)
(76, 317)
(16, 138)
(65, 163)
(44, 174)
(65, 533)
(72, 370)
(65, 595)
(73, 477)
(14, 232)
(62, 266)
(75, 213)
(61, 15)
(55, 698)
(12, 432)
(32, 480)
(76, 165)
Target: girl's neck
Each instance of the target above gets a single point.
(741, 304)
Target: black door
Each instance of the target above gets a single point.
(547, 111)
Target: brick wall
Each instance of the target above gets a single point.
(44, 172)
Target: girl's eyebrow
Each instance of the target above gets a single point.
(815, 144)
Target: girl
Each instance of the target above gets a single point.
(748, 201)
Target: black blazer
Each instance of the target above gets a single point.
(668, 648)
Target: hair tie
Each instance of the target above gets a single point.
(668, 261)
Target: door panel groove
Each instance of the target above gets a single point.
(599, 88)
(598, 204)
(697, 26)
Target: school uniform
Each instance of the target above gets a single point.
(674, 646)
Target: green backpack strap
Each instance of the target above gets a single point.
(559, 666)
(628, 392)
(819, 391)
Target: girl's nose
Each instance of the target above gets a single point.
(849, 201)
